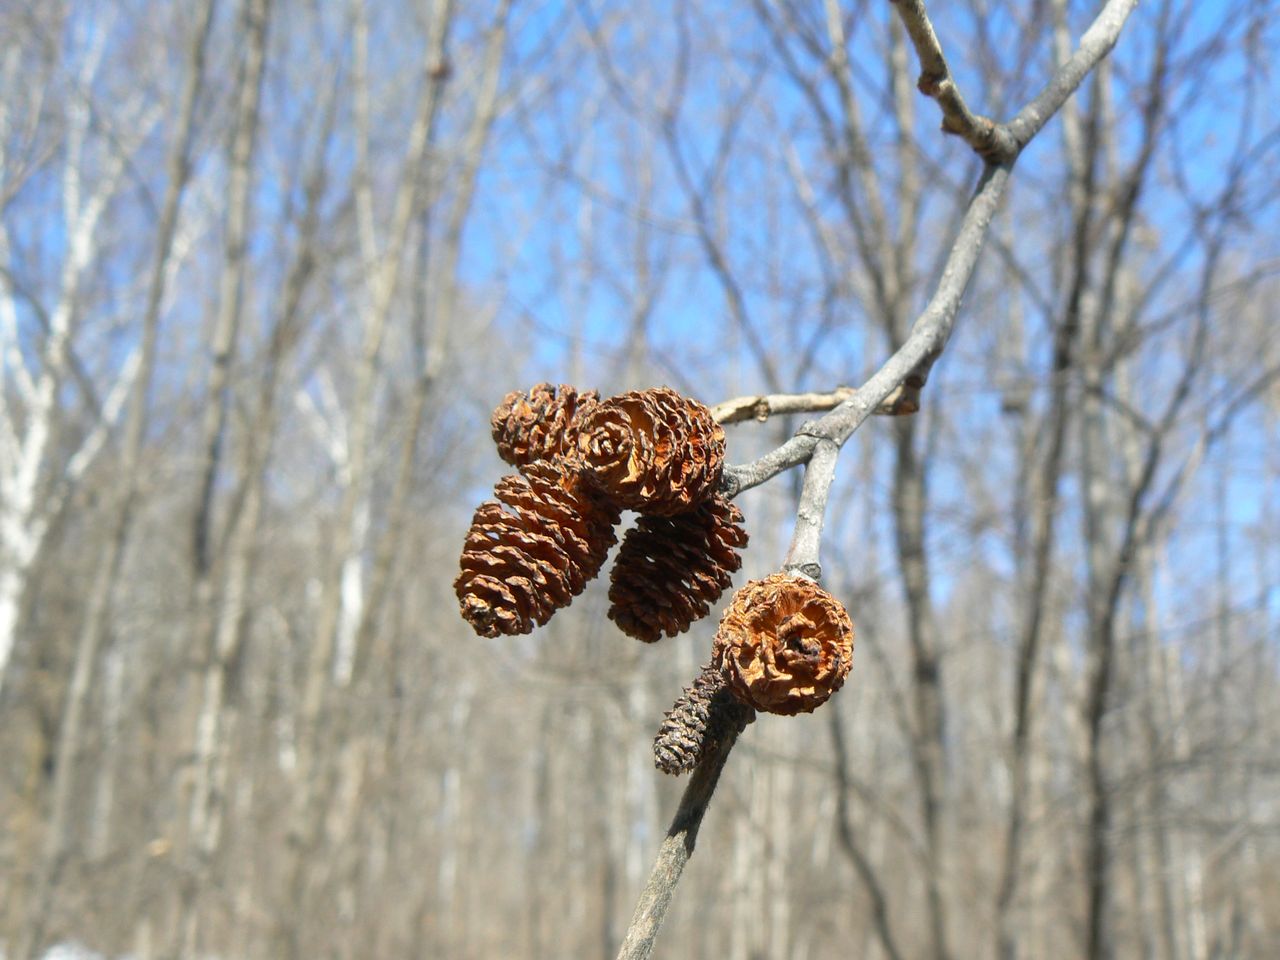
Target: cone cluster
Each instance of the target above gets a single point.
(784, 645)
(582, 461)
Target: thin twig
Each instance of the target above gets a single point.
(1095, 44)
(990, 140)
(1002, 142)
(760, 407)
(812, 509)
(932, 328)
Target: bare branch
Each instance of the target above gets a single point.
(760, 407)
(910, 364)
(806, 541)
(995, 142)
(1095, 44)
(990, 140)
(912, 360)
(676, 849)
(818, 443)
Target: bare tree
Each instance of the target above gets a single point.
(57, 839)
(38, 476)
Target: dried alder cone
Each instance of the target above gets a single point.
(583, 461)
(532, 549)
(541, 423)
(670, 570)
(652, 451)
(704, 716)
(784, 645)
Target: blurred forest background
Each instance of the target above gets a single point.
(267, 265)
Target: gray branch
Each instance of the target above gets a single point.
(910, 365)
(676, 849)
(928, 337)
(1095, 44)
(807, 539)
(761, 407)
(989, 139)
(818, 442)
(1002, 142)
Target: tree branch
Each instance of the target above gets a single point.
(676, 849)
(990, 140)
(910, 364)
(806, 541)
(760, 407)
(818, 443)
(1095, 44)
(1002, 142)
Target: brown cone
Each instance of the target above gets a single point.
(530, 551)
(540, 424)
(784, 644)
(652, 451)
(670, 570)
(703, 717)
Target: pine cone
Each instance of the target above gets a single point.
(533, 549)
(541, 424)
(652, 451)
(784, 644)
(670, 570)
(703, 717)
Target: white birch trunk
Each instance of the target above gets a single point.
(13, 581)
